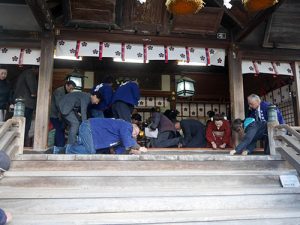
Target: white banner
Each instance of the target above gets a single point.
(89, 49)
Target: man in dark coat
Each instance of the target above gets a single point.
(26, 88)
(55, 116)
(71, 105)
(193, 131)
(251, 131)
(166, 131)
(259, 109)
(125, 98)
(5, 93)
(102, 133)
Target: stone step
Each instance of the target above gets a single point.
(204, 181)
(151, 156)
(286, 216)
(135, 192)
(148, 204)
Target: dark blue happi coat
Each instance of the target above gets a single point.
(128, 92)
(111, 132)
(106, 92)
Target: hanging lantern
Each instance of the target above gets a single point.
(257, 5)
(185, 87)
(183, 7)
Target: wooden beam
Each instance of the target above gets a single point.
(23, 39)
(296, 69)
(236, 84)
(269, 54)
(44, 92)
(119, 36)
(229, 14)
(257, 19)
(41, 13)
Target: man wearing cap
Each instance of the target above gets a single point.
(251, 131)
(55, 116)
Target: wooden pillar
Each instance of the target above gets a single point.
(44, 92)
(236, 85)
(297, 82)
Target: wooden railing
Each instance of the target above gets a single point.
(286, 141)
(12, 136)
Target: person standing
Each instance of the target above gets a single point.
(259, 109)
(125, 98)
(73, 106)
(55, 116)
(106, 91)
(193, 132)
(26, 88)
(5, 93)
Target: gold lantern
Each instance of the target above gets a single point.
(257, 5)
(183, 7)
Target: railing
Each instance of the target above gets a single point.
(12, 136)
(285, 140)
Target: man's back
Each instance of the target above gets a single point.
(26, 88)
(110, 132)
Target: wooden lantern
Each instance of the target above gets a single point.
(257, 5)
(183, 7)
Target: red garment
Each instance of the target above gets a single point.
(219, 140)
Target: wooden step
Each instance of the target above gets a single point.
(287, 216)
(205, 181)
(152, 203)
(122, 191)
(151, 156)
(146, 165)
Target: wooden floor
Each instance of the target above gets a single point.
(160, 187)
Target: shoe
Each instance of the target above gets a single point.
(245, 152)
(232, 152)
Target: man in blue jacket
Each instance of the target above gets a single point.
(106, 92)
(251, 131)
(259, 109)
(102, 133)
(125, 98)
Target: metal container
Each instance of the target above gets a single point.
(272, 113)
(19, 110)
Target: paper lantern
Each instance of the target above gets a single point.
(257, 5)
(183, 7)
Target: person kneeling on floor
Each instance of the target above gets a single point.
(251, 131)
(100, 134)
